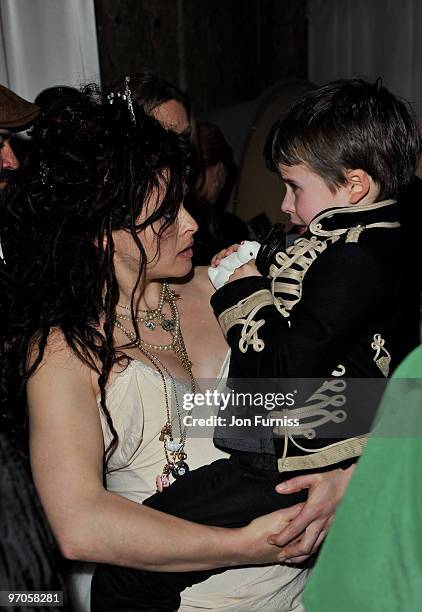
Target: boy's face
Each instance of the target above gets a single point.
(307, 194)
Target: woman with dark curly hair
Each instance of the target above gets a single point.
(99, 348)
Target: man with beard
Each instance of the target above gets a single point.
(15, 115)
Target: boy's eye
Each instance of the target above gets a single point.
(292, 186)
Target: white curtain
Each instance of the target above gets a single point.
(47, 42)
(368, 38)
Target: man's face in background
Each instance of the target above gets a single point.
(8, 160)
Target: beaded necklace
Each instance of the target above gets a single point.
(174, 450)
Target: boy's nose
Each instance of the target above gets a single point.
(8, 158)
(287, 203)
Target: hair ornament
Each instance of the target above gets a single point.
(127, 97)
(44, 172)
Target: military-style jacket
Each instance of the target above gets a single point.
(330, 308)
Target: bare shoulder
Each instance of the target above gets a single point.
(59, 365)
(57, 353)
(64, 420)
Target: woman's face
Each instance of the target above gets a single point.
(168, 255)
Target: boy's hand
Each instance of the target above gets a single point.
(247, 269)
(217, 258)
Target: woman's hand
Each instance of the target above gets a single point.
(224, 253)
(255, 537)
(304, 534)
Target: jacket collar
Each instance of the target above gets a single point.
(338, 221)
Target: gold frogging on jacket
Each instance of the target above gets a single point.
(288, 272)
(287, 275)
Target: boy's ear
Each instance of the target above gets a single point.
(358, 185)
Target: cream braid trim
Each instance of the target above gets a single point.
(243, 314)
(290, 268)
(287, 274)
(382, 357)
(340, 451)
(286, 290)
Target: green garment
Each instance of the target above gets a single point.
(372, 558)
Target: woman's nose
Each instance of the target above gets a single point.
(189, 223)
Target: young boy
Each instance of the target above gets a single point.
(330, 307)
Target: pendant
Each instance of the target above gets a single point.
(173, 446)
(165, 431)
(167, 325)
(162, 482)
(150, 325)
(180, 468)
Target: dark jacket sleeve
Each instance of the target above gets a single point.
(341, 297)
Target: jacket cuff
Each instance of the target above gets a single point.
(229, 295)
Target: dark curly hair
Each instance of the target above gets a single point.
(92, 173)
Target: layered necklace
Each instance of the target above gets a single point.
(174, 450)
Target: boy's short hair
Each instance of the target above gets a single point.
(345, 125)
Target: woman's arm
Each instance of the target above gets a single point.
(92, 524)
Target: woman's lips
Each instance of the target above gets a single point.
(188, 253)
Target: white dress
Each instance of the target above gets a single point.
(135, 399)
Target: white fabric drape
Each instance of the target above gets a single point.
(47, 42)
(368, 38)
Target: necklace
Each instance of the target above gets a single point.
(174, 450)
(150, 315)
(160, 301)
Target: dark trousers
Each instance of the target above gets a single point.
(228, 493)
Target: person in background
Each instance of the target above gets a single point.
(372, 559)
(15, 115)
(29, 557)
(160, 99)
(216, 173)
(52, 95)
